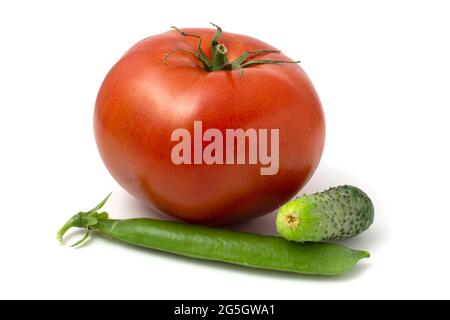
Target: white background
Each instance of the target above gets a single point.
(381, 68)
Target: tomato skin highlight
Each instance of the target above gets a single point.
(142, 101)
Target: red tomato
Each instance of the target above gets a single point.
(142, 101)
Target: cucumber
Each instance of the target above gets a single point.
(337, 213)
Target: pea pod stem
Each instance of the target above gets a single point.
(241, 248)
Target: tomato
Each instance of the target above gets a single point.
(143, 101)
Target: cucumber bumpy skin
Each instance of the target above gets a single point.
(337, 213)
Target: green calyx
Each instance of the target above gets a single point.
(84, 220)
(218, 60)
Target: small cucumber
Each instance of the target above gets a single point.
(337, 213)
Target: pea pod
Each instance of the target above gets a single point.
(245, 249)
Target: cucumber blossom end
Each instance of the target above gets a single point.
(295, 221)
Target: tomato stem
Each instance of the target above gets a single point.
(219, 51)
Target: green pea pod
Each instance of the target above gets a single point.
(245, 249)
